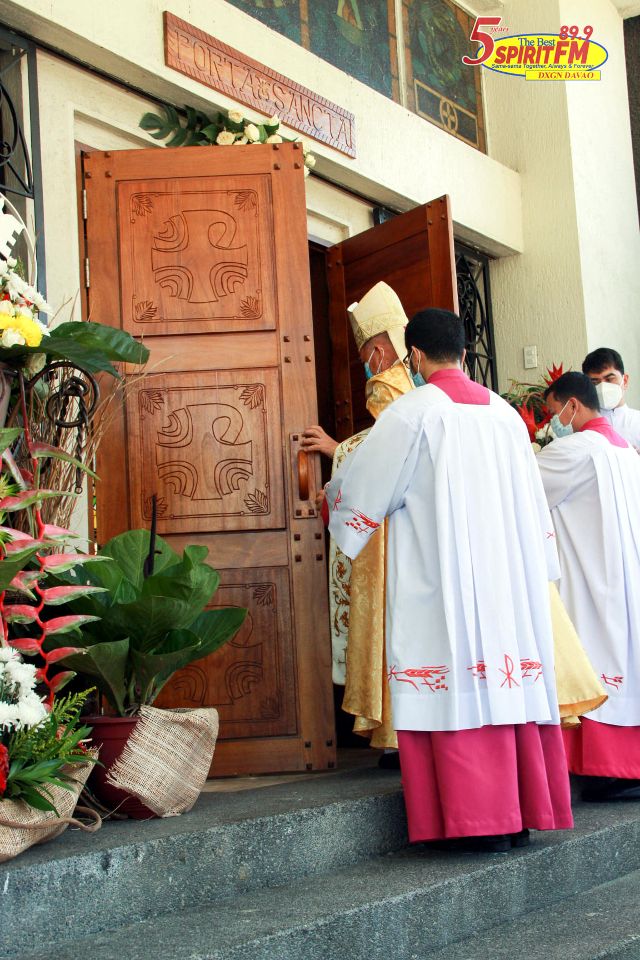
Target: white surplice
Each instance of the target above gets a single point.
(625, 421)
(470, 552)
(593, 489)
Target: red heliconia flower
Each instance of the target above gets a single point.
(528, 416)
(4, 768)
(554, 372)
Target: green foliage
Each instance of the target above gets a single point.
(195, 128)
(148, 627)
(38, 754)
(93, 347)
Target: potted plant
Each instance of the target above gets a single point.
(147, 621)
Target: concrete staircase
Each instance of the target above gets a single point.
(317, 869)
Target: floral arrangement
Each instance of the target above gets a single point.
(39, 734)
(528, 400)
(225, 130)
(36, 744)
(20, 305)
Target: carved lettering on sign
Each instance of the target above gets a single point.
(217, 65)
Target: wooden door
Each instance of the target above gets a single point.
(414, 253)
(203, 253)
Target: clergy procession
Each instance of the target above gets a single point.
(484, 622)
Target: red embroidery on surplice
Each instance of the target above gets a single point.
(551, 535)
(361, 523)
(531, 668)
(479, 670)
(612, 681)
(337, 501)
(508, 673)
(431, 677)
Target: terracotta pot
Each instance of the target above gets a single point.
(110, 734)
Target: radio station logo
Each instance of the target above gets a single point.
(570, 54)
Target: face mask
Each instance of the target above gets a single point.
(418, 379)
(557, 427)
(368, 372)
(609, 395)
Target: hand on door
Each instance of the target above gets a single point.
(315, 440)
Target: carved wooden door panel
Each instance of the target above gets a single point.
(414, 253)
(203, 252)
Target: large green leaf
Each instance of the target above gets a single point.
(107, 664)
(215, 627)
(91, 346)
(152, 670)
(129, 551)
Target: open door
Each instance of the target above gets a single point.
(204, 254)
(414, 253)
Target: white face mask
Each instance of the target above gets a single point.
(609, 395)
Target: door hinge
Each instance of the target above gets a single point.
(87, 277)
(84, 204)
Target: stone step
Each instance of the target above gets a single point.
(405, 905)
(229, 844)
(601, 924)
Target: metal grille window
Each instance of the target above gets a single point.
(20, 173)
(474, 303)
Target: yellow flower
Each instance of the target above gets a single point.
(28, 329)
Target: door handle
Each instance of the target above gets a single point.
(303, 475)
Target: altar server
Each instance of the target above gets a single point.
(469, 636)
(592, 482)
(605, 369)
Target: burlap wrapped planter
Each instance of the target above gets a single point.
(161, 764)
(22, 826)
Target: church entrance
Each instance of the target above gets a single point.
(248, 331)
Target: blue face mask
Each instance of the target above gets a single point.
(368, 372)
(558, 428)
(418, 379)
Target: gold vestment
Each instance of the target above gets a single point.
(366, 693)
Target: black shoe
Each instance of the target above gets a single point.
(389, 761)
(521, 839)
(610, 789)
(501, 843)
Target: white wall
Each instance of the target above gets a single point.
(604, 188)
(402, 159)
(575, 286)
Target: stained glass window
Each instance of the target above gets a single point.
(359, 37)
(439, 86)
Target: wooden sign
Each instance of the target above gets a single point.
(201, 56)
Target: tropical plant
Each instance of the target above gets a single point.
(145, 617)
(232, 128)
(528, 400)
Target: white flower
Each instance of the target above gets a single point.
(12, 338)
(7, 307)
(31, 710)
(306, 171)
(235, 116)
(7, 654)
(273, 122)
(252, 133)
(26, 312)
(305, 147)
(274, 138)
(225, 138)
(241, 141)
(40, 303)
(310, 161)
(12, 262)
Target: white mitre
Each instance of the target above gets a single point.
(379, 311)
